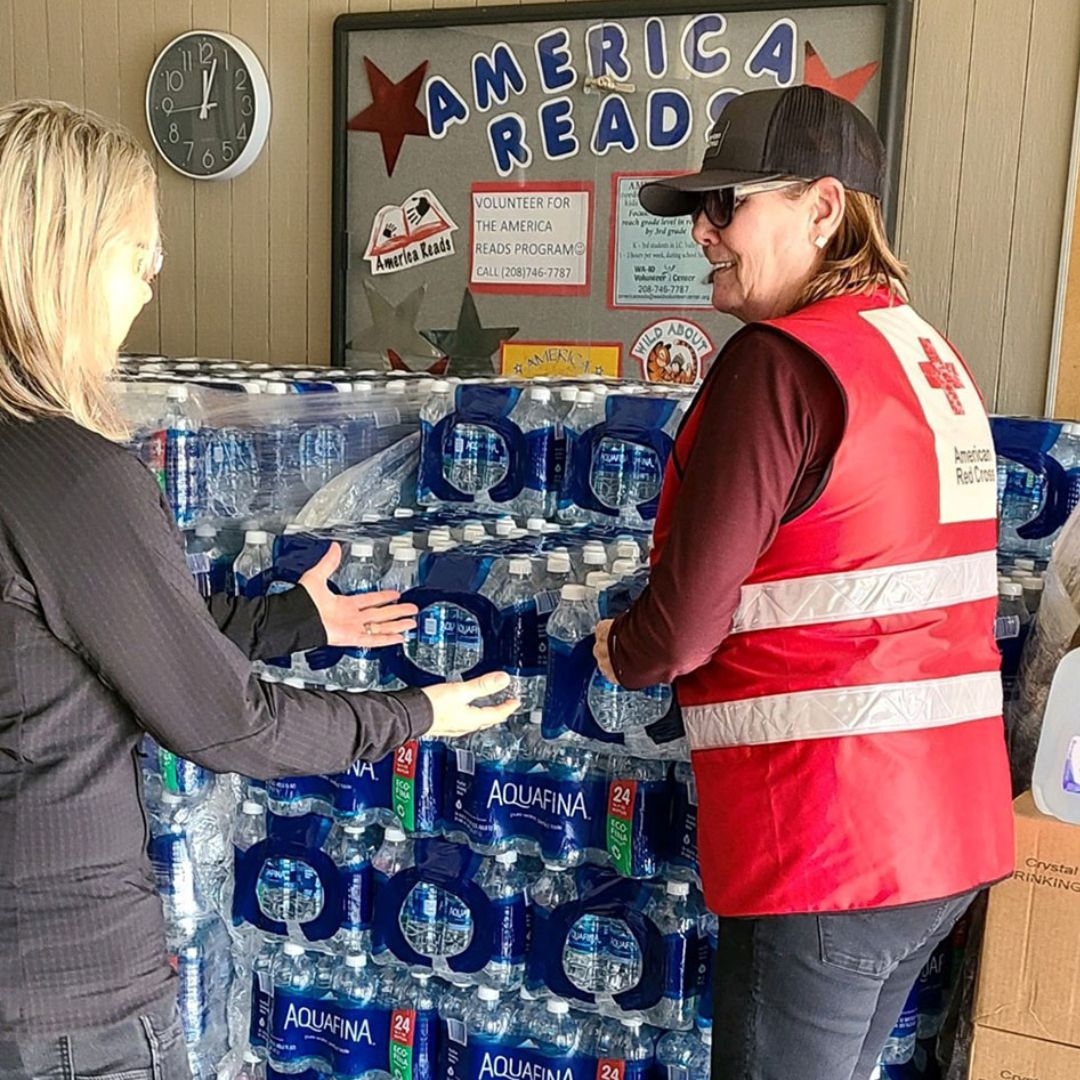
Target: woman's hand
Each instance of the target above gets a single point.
(364, 621)
(601, 652)
(456, 715)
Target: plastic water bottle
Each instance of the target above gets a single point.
(402, 573)
(278, 449)
(486, 1016)
(504, 883)
(252, 1067)
(478, 459)
(200, 957)
(322, 454)
(552, 889)
(1021, 494)
(358, 669)
(250, 826)
(254, 560)
(1067, 452)
(439, 404)
(232, 472)
(537, 420)
(555, 1031)
(677, 919)
(576, 616)
(423, 917)
(685, 1054)
(353, 983)
(293, 973)
(517, 601)
(1012, 628)
(582, 959)
(624, 1040)
(900, 1046)
(457, 925)
(171, 855)
(587, 413)
(352, 851)
(1033, 586)
(622, 961)
(184, 472)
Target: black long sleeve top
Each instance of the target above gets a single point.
(103, 637)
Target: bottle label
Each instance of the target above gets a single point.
(540, 466)
(358, 886)
(179, 776)
(261, 998)
(174, 872)
(510, 929)
(365, 787)
(402, 1036)
(404, 783)
(323, 1033)
(622, 800)
(684, 828)
(474, 1057)
(493, 805)
(682, 963)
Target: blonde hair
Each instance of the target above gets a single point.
(858, 258)
(70, 182)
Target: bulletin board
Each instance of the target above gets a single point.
(487, 163)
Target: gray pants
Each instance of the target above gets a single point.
(814, 997)
(141, 1048)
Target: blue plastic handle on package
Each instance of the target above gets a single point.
(627, 419)
(299, 838)
(1028, 442)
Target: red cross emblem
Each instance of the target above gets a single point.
(942, 375)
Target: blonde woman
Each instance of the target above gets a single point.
(823, 596)
(103, 636)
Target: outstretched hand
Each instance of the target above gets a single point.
(362, 621)
(455, 713)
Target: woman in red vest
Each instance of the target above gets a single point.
(822, 595)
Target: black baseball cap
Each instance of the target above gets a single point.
(801, 131)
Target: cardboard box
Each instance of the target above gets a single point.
(1001, 1055)
(1029, 972)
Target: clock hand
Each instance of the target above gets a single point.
(208, 82)
(192, 108)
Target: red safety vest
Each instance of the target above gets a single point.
(846, 737)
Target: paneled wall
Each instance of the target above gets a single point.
(990, 118)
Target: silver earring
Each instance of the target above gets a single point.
(821, 241)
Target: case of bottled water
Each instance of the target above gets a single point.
(493, 446)
(617, 448)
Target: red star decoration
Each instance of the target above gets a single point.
(848, 86)
(392, 113)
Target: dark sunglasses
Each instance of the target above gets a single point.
(719, 205)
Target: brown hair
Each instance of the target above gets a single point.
(69, 184)
(858, 258)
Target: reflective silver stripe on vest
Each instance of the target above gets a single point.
(849, 710)
(866, 594)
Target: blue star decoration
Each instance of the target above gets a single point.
(469, 346)
(393, 326)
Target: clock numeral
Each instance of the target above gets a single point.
(208, 160)
(174, 81)
(188, 59)
(167, 105)
(190, 149)
(241, 79)
(206, 52)
(247, 105)
(174, 134)
(242, 132)
(227, 151)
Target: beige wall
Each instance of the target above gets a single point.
(991, 101)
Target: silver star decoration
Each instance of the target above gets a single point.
(469, 345)
(393, 326)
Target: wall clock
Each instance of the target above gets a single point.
(208, 105)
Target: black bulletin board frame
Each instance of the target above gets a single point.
(891, 107)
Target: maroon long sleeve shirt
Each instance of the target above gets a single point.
(772, 416)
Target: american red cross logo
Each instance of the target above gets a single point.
(942, 375)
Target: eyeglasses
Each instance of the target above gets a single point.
(151, 262)
(719, 205)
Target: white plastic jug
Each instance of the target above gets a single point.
(1056, 779)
